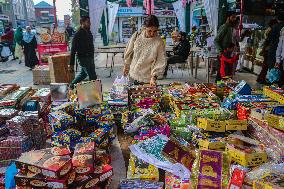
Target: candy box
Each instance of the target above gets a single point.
(236, 125)
(35, 181)
(211, 125)
(42, 95)
(84, 157)
(246, 156)
(102, 156)
(51, 162)
(86, 182)
(270, 181)
(175, 182)
(139, 169)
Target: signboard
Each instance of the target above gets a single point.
(4, 17)
(130, 11)
(165, 13)
(46, 50)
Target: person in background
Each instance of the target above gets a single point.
(280, 50)
(83, 46)
(144, 55)
(9, 38)
(175, 34)
(227, 60)
(181, 52)
(244, 41)
(18, 37)
(273, 39)
(30, 46)
(224, 38)
(70, 30)
(264, 52)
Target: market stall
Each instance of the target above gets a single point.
(183, 135)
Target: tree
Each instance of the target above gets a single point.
(75, 9)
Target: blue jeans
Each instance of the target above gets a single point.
(87, 69)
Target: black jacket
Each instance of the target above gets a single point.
(82, 44)
(182, 49)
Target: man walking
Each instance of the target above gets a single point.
(83, 46)
(224, 37)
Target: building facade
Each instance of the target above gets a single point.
(44, 13)
(18, 12)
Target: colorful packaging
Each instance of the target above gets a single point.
(50, 162)
(246, 156)
(211, 125)
(84, 157)
(270, 181)
(237, 179)
(211, 170)
(129, 183)
(141, 170)
(60, 121)
(175, 182)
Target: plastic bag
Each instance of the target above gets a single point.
(274, 75)
(5, 52)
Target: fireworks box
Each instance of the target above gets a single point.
(211, 144)
(41, 182)
(84, 157)
(270, 181)
(275, 121)
(7, 88)
(58, 66)
(50, 163)
(236, 125)
(41, 75)
(246, 156)
(211, 125)
(42, 95)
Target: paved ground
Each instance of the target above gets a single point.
(13, 72)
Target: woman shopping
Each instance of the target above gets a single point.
(18, 37)
(30, 45)
(145, 59)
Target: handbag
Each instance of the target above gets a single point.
(274, 75)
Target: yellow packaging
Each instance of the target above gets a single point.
(272, 94)
(270, 181)
(236, 125)
(208, 145)
(211, 125)
(275, 121)
(246, 159)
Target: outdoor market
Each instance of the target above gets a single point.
(154, 94)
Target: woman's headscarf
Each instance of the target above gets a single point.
(19, 36)
(28, 35)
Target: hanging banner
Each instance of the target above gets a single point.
(96, 9)
(180, 12)
(112, 13)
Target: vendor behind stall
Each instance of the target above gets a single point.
(145, 54)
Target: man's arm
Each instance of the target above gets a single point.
(74, 49)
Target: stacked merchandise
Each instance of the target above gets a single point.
(58, 66)
(12, 100)
(41, 75)
(210, 144)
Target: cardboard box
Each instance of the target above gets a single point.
(49, 163)
(275, 121)
(236, 125)
(211, 145)
(211, 125)
(41, 75)
(247, 159)
(58, 66)
(84, 157)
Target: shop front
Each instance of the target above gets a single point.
(129, 19)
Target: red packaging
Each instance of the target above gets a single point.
(84, 157)
(237, 179)
(50, 163)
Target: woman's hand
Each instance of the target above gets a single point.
(153, 81)
(277, 66)
(125, 71)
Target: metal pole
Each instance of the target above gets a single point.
(55, 17)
